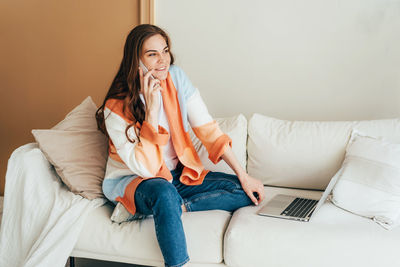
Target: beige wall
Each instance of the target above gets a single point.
(297, 60)
(53, 55)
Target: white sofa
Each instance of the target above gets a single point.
(303, 155)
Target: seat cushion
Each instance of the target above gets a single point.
(333, 237)
(135, 241)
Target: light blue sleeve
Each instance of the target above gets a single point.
(182, 82)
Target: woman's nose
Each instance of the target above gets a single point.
(162, 58)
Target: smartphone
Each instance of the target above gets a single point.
(145, 70)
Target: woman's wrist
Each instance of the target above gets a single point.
(231, 160)
(151, 112)
(242, 175)
(152, 118)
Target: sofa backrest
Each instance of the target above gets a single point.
(305, 154)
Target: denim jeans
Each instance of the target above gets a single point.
(163, 200)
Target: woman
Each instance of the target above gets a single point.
(153, 168)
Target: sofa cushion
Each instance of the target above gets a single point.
(135, 241)
(305, 154)
(369, 180)
(332, 238)
(77, 150)
(236, 128)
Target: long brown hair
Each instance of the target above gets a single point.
(126, 84)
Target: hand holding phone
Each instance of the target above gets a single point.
(144, 68)
(150, 89)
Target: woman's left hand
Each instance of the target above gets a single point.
(250, 186)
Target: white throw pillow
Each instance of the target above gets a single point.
(236, 128)
(305, 154)
(369, 180)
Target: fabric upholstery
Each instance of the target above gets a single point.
(305, 154)
(369, 180)
(333, 238)
(135, 241)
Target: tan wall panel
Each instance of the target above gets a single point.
(53, 55)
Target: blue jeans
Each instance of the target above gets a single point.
(163, 200)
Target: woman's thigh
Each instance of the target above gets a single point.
(218, 191)
(155, 193)
(213, 181)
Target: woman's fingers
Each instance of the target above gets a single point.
(151, 94)
(259, 190)
(154, 84)
(253, 198)
(147, 76)
(257, 195)
(154, 88)
(150, 88)
(144, 80)
(254, 189)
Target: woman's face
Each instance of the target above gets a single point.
(155, 55)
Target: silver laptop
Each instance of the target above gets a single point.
(296, 208)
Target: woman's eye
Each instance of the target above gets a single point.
(166, 51)
(152, 54)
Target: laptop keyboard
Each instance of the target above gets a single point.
(300, 207)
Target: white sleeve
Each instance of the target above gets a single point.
(197, 110)
(116, 126)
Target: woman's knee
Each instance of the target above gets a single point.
(161, 191)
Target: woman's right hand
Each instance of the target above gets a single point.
(150, 89)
